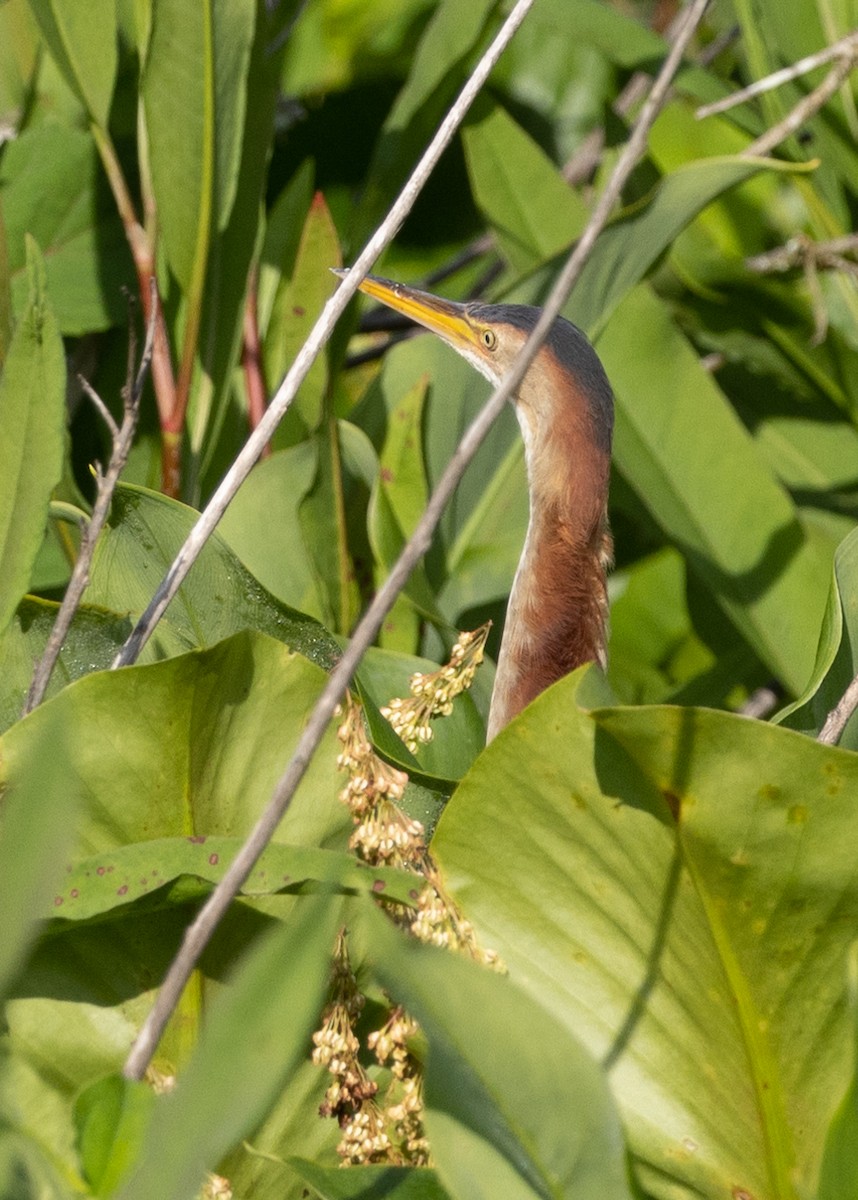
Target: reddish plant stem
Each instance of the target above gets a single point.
(251, 361)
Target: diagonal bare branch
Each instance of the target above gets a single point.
(198, 934)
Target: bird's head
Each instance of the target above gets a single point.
(565, 382)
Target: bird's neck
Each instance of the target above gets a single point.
(557, 613)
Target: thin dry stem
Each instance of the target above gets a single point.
(807, 107)
(846, 46)
(198, 934)
(838, 718)
(122, 437)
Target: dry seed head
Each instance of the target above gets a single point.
(432, 694)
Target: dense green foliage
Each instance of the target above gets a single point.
(672, 886)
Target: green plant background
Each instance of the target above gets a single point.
(671, 885)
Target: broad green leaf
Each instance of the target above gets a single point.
(400, 631)
(103, 882)
(323, 521)
(437, 70)
(111, 1118)
(188, 747)
(32, 429)
(246, 97)
(397, 500)
(696, 469)
(91, 645)
(402, 473)
(218, 598)
(533, 211)
(652, 645)
(254, 1037)
(232, 33)
(26, 1172)
(6, 319)
(262, 526)
(297, 305)
(631, 245)
(698, 961)
(194, 89)
(837, 653)
(482, 561)
(810, 453)
(286, 220)
(514, 1106)
(839, 1174)
(50, 188)
(36, 830)
(370, 1183)
(19, 56)
(82, 39)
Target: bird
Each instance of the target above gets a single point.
(557, 614)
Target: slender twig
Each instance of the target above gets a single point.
(797, 250)
(122, 437)
(198, 934)
(317, 337)
(837, 719)
(761, 702)
(812, 257)
(845, 47)
(806, 107)
(140, 243)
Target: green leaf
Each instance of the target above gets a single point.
(194, 90)
(297, 304)
(437, 70)
(219, 597)
(82, 41)
(36, 829)
(370, 1183)
(498, 1065)
(532, 209)
(111, 1117)
(630, 246)
(698, 961)
(837, 652)
(696, 469)
(839, 1173)
(246, 91)
(209, 736)
(91, 645)
(32, 430)
(50, 188)
(402, 475)
(103, 882)
(254, 1037)
(482, 561)
(262, 526)
(6, 320)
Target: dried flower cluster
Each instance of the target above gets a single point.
(432, 695)
(216, 1188)
(370, 1132)
(390, 1131)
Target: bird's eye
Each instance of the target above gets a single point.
(489, 339)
